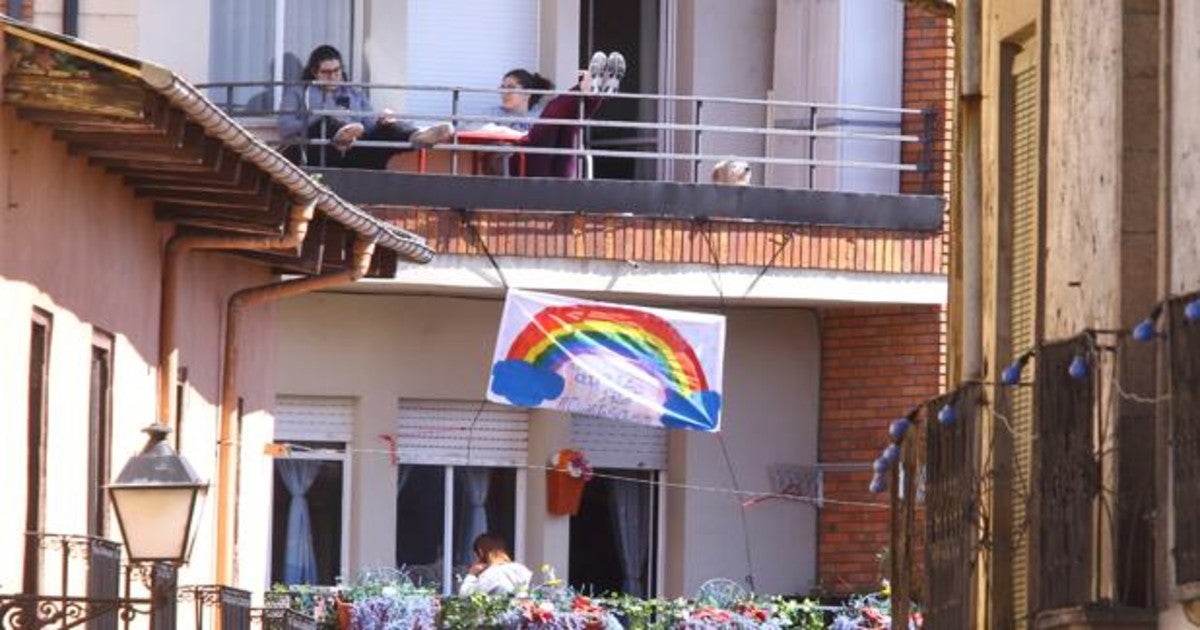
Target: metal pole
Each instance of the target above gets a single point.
(578, 157)
(928, 117)
(696, 143)
(812, 148)
(454, 136)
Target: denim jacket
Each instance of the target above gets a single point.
(300, 101)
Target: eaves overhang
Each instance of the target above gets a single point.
(170, 144)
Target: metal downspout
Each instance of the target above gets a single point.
(168, 347)
(227, 451)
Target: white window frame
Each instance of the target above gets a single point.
(343, 456)
(448, 515)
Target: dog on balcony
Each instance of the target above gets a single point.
(731, 172)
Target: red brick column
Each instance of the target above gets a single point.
(876, 364)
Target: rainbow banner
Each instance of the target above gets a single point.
(643, 365)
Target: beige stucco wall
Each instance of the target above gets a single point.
(1082, 211)
(76, 243)
(388, 347)
(1185, 149)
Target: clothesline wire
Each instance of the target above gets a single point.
(650, 482)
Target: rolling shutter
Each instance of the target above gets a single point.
(314, 419)
(613, 444)
(461, 433)
(1023, 274)
(467, 43)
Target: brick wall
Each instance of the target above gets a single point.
(543, 235)
(876, 364)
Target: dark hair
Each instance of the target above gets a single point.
(490, 548)
(530, 81)
(320, 54)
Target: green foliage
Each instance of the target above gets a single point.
(474, 611)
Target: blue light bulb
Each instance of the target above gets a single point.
(890, 454)
(878, 484)
(880, 465)
(1012, 373)
(898, 428)
(947, 415)
(1192, 310)
(1144, 331)
(1079, 367)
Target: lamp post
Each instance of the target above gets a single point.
(155, 496)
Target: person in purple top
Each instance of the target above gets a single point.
(324, 88)
(603, 75)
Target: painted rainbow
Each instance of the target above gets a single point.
(530, 372)
(557, 332)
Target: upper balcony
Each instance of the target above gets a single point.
(831, 186)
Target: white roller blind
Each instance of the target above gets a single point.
(613, 444)
(316, 419)
(467, 43)
(461, 433)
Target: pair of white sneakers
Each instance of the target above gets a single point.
(605, 72)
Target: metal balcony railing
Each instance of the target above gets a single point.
(804, 144)
(1066, 477)
(1183, 339)
(84, 584)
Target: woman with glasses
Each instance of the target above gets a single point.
(325, 89)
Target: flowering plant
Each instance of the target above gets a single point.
(573, 462)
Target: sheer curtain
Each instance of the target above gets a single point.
(242, 49)
(244, 36)
(475, 489)
(631, 520)
(300, 561)
(310, 23)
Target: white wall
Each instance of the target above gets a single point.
(388, 347)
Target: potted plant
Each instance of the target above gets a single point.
(569, 471)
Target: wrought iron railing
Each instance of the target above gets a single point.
(282, 619)
(951, 508)
(805, 140)
(83, 583)
(1066, 475)
(218, 606)
(1183, 337)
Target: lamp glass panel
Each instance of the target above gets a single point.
(154, 520)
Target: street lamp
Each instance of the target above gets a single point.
(155, 498)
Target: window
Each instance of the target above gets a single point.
(307, 514)
(99, 433)
(35, 453)
(613, 538)
(15, 9)
(442, 48)
(461, 475)
(269, 40)
(462, 501)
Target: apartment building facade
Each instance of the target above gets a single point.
(1072, 233)
(834, 328)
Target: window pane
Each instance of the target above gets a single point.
(99, 415)
(611, 537)
(319, 484)
(310, 23)
(443, 48)
(484, 501)
(420, 517)
(243, 49)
